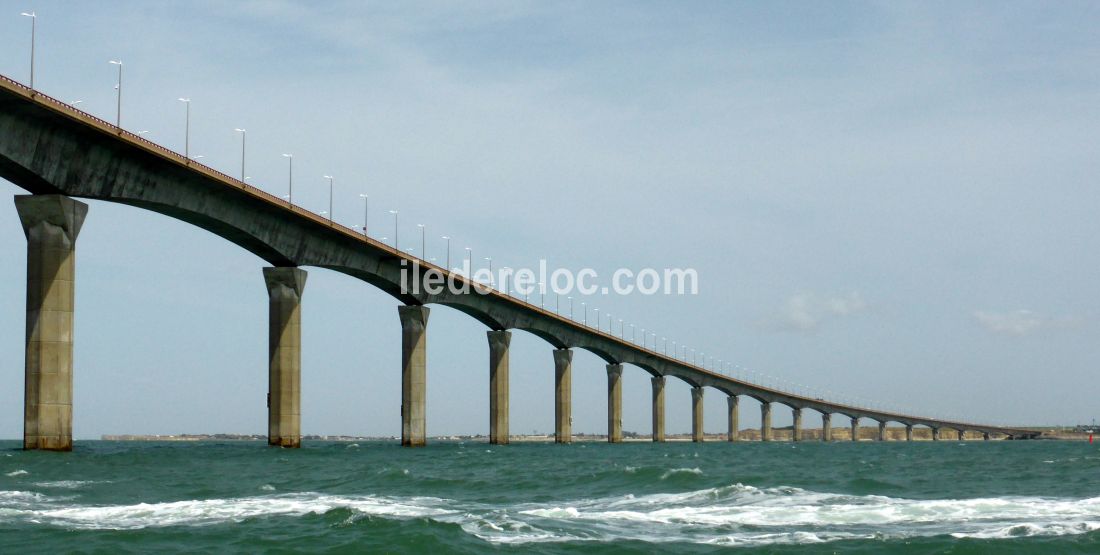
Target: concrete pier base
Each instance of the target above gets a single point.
(882, 431)
(826, 427)
(498, 386)
(765, 421)
(658, 407)
(563, 396)
(962, 435)
(284, 347)
(614, 403)
(985, 436)
(51, 224)
(796, 428)
(935, 434)
(855, 429)
(908, 432)
(414, 362)
(733, 404)
(697, 414)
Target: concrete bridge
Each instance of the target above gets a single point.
(59, 154)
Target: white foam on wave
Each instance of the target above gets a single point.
(69, 484)
(696, 471)
(15, 473)
(732, 515)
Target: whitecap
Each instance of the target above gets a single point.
(696, 471)
(69, 484)
(19, 472)
(267, 487)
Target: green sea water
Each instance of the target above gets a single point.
(470, 497)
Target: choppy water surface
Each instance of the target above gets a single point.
(1041, 497)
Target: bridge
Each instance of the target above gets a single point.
(59, 154)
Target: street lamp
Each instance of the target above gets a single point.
(490, 259)
(330, 180)
(118, 87)
(570, 308)
(448, 239)
(394, 212)
(423, 243)
(244, 136)
(187, 129)
(34, 21)
(366, 211)
(598, 321)
(290, 178)
(469, 262)
(585, 307)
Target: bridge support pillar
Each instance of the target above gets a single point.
(614, 403)
(563, 396)
(908, 432)
(962, 435)
(985, 436)
(732, 403)
(765, 421)
(51, 224)
(796, 428)
(935, 434)
(855, 429)
(826, 427)
(658, 407)
(881, 431)
(498, 386)
(697, 414)
(414, 362)
(285, 286)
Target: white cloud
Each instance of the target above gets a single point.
(805, 311)
(1019, 322)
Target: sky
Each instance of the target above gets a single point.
(886, 202)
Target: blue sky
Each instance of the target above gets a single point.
(889, 201)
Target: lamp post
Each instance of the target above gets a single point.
(423, 243)
(366, 211)
(187, 130)
(490, 260)
(34, 21)
(469, 262)
(585, 308)
(244, 137)
(290, 178)
(118, 87)
(634, 339)
(598, 321)
(394, 212)
(448, 239)
(330, 180)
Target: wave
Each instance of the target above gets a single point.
(15, 473)
(730, 515)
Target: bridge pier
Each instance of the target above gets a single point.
(51, 224)
(732, 403)
(697, 414)
(826, 427)
(908, 432)
(765, 421)
(414, 362)
(985, 436)
(658, 407)
(855, 429)
(563, 396)
(962, 435)
(935, 434)
(881, 431)
(614, 403)
(796, 428)
(498, 386)
(285, 286)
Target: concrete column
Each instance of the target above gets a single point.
(51, 224)
(985, 436)
(697, 414)
(765, 421)
(414, 363)
(855, 429)
(908, 432)
(563, 396)
(826, 427)
(935, 434)
(882, 431)
(614, 403)
(796, 434)
(498, 386)
(962, 435)
(732, 403)
(284, 348)
(658, 407)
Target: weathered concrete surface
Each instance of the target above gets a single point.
(796, 414)
(51, 224)
(414, 363)
(855, 429)
(733, 405)
(881, 431)
(498, 386)
(697, 414)
(614, 403)
(826, 427)
(284, 347)
(563, 395)
(47, 147)
(658, 383)
(935, 434)
(765, 421)
(908, 432)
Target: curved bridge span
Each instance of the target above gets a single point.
(58, 154)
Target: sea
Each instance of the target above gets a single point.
(588, 497)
